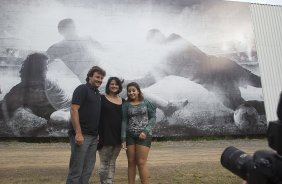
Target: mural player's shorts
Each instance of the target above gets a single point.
(131, 140)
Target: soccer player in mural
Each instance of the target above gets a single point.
(83, 133)
(220, 75)
(78, 53)
(32, 98)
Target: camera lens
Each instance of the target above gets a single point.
(236, 161)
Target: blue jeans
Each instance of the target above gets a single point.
(108, 156)
(82, 160)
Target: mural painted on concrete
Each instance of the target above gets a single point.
(195, 60)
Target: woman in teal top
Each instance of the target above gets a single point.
(139, 118)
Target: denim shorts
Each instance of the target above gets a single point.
(131, 140)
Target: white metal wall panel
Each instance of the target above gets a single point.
(267, 22)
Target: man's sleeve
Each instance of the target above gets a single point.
(79, 95)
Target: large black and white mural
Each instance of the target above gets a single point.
(196, 60)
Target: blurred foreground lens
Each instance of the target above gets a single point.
(236, 161)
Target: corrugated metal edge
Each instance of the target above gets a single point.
(262, 2)
(267, 24)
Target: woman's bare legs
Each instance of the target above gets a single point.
(141, 155)
(137, 155)
(131, 157)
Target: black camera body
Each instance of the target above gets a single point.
(264, 167)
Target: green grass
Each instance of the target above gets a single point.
(197, 173)
(171, 162)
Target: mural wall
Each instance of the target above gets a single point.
(195, 60)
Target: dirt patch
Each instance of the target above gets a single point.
(172, 162)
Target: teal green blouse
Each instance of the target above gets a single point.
(138, 118)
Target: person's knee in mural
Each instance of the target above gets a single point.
(138, 120)
(35, 93)
(84, 126)
(219, 75)
(110, 129)
(78, 53)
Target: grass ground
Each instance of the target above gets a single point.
(170, 162)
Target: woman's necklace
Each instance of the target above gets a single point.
(114, 99)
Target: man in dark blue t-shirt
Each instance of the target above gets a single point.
(85, 115)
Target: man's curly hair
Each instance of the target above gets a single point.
(93, 70)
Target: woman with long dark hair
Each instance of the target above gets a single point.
(139, 118)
